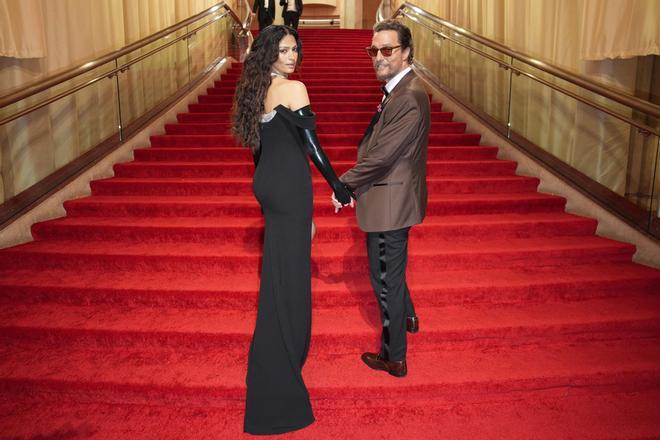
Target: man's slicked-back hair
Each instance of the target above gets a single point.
(402, 31)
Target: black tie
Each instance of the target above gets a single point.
(376, 115)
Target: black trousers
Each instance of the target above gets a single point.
(265, 20)
(291, 18)
(388, 258)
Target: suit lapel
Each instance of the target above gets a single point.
(375, 118)
(401, 85)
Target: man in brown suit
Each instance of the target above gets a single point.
(389, 181)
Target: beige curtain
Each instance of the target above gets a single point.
(601, 28)
(23, 35)
(619, 29)
(551, 30)
(71, 32)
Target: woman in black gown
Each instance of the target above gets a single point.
(272, 115)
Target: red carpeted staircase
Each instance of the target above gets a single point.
(131, 317)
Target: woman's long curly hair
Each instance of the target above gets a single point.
(255, 80)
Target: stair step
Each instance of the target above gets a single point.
(327, 258)
(239, 154)
(233, 230)
(372, 99)
(328, 69)
(347, 104)
(339, 127)
(231, 84)
(549, 414)
(322, 117)
(373, 90)
(134, 288)
(190, 206)
(142, 169)
(236, 186)
(364, 74)
(336, 330)
(210, 378)
(205, 140)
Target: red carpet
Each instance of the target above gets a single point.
(131, 317)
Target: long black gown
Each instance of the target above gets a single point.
(277, 399)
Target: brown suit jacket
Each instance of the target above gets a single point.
(389, 178)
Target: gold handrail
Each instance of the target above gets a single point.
(247, 23)
(578, 80)
(54, 80)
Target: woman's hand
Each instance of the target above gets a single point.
(338, 205)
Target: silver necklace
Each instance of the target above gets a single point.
(278, 74)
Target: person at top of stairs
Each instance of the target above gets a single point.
(265, 12)
(291, 12)
(281, 140)
(389, 180)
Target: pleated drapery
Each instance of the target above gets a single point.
(619, 29)
(22, 24)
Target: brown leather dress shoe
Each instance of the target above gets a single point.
(412, 324)
(375, 362)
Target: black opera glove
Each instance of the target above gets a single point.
(311, 140)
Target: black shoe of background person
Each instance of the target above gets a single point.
(412, 324)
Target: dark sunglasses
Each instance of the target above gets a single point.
(386, 51)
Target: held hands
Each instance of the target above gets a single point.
(338, 205)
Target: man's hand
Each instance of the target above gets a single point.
(338, 205)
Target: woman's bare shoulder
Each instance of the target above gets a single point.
(295, 94)
(292, 86)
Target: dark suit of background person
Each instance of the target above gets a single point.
(291, 17)
(389, 180)
(265, 15)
